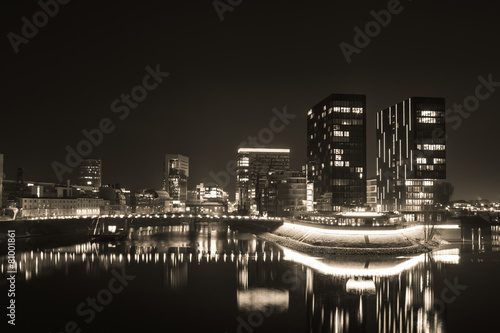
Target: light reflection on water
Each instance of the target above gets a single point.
(237, 282)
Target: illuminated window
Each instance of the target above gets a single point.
(421, 160)
(357, 110)
(434, 147)
(439, 161)
(339, 163)
(338, 157)
(338, 151)
(345, 110)
(336, 109)
(430, 113)
(427, 120)
(341, 133)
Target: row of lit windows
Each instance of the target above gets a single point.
(347, 110)
(348, 121)
(430, 167)
(340, 163)
(419, 183)
(419, 202)
(430, 120)
(431, 147)
(426, 113)
(341, 133)
(419, 195)
(423, 160)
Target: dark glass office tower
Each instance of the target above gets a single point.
(254, 165)
(411, 143)
(336, 150)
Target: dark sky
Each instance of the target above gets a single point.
(226, 78)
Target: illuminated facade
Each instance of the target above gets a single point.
(206, 192)
(53, 207)
(253, 167)
(336, 151)
(89, 173)
(175, 176)
(411, 145)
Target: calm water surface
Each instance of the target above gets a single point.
(210, 281)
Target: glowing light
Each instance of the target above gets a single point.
(362, 214)
(343, 270)
(259, 299)
(263, 150)
(354, 232)
(360, 286)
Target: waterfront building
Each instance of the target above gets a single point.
(411, 144)
(175, 177)
(291, 194)
(336, 151)
(253, 167)
(37, 207)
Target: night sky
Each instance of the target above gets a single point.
(227, 77)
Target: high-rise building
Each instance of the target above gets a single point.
(411, 144)
(175, 176)
(89, 173)
(253, 167)
(336, 151)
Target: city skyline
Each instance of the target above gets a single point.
(80, 96)
(261, 166)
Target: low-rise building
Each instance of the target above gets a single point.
(33, 207)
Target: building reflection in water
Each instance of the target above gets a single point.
(340, 294)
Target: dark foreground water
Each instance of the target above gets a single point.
(209, 281)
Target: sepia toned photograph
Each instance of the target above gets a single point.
(247, 166)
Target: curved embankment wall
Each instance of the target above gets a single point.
(325, 241)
